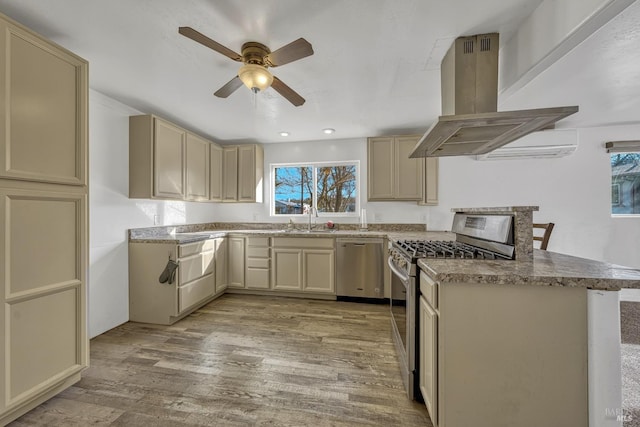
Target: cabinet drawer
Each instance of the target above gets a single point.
(196, 291)
(257, 252)
(258, 241)
(429, 289)
(257, 263)
(196, 266)
(303, 242)
(196, 247)
(257, 278)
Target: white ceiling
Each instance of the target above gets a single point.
(375, 69)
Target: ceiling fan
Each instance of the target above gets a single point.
(256, 58)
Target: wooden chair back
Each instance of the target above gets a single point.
(544, 238)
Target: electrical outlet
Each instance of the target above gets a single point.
(156, 219)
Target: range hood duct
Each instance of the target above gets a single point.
(471, 124)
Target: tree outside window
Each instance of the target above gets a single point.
(625, 184)
(331, 188)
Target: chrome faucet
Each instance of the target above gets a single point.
(311, 211)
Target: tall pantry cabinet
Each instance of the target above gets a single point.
(43, 219)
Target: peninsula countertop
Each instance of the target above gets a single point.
(547, 269)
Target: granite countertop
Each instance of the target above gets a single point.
(546, 269)
(190, 237)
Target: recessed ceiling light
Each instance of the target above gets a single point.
(328, 131)
(284, 133)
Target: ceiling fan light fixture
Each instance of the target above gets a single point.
(255, 77)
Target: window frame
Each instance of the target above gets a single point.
(314, 195)
(619, 186)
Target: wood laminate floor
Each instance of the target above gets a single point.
(239, 361)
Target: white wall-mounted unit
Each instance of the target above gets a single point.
(539, 145)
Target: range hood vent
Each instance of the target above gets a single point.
(471, 124)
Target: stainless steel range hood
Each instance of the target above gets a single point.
(470, 123)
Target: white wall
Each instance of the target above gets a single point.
(112, 213)
(574, 192)
(321, 151)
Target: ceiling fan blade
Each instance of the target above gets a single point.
(229, 88)
(288, 93)
(212, 44)
(295, 50)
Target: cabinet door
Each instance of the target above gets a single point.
(43, 105)
(169, 160)
(408, 172)
(287, 269)
(430, 193)
(215, 173)
(380, 169)
(197, 168)
(221, 264)
(319, 270)
(43, 280)
(236, 262)
(230, 174)
(246, 173)
(428, 358)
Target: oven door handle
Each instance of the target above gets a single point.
(404, 277)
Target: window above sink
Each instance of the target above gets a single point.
(331, 187)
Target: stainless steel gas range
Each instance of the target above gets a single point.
(476, 237)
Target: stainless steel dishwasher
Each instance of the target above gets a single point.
(360, 269)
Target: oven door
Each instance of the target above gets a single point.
(403, 291)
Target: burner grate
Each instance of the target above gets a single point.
(445, 249)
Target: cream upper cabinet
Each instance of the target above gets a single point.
(408, 172)
(215, 173)
(430, 187)
(229, 174)
(168, 162)
(250, 171)
(44, 342)
(391, 174)
(157, 158)
(43, 97)
(243, 168)
(380, 167)
(197, 168)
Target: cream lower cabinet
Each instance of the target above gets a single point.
(287, 269)
(221, 264)
(517, 347)
(193, 286)
(428, 363)
(235, 271)
(44, 342)
(257, 263)
(303, 264)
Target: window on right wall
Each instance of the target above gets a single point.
(625, 183)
